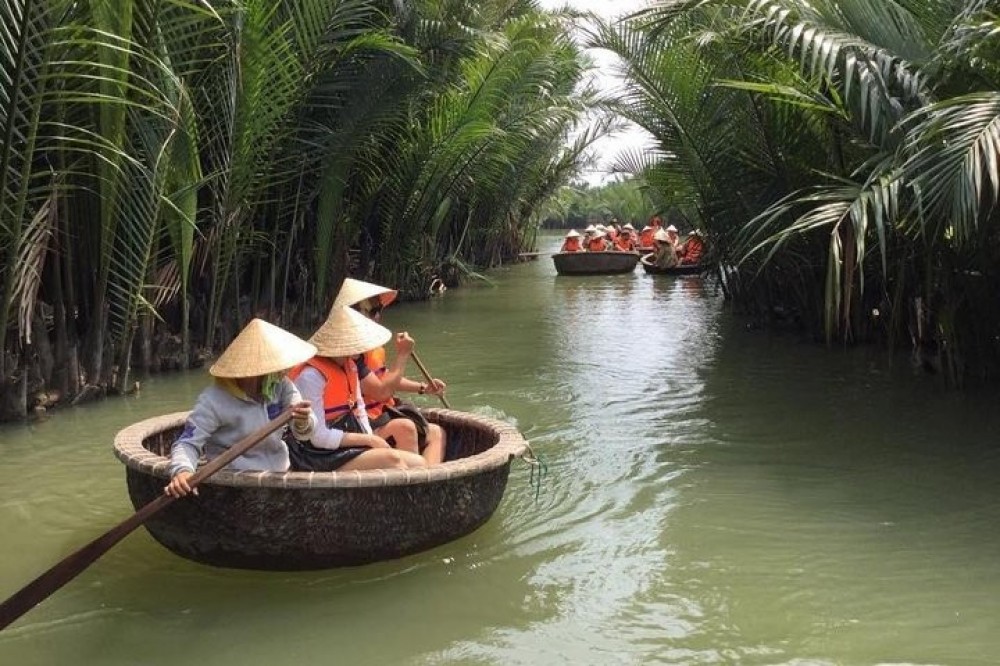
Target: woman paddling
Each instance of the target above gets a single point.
(429, 440)
(249, 390)
(665, 254)
(333, 381)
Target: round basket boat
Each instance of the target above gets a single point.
(319, 520)
(684, 269)
(595, 263)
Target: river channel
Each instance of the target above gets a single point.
(715, 495)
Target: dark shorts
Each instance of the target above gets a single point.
(404, 410)
(307, 458)
(382, 419)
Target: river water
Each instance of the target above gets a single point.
(714, 495)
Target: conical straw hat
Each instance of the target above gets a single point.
(347, 332)
(354, 291)
(260, 349)
(661, 236)
(572, 234)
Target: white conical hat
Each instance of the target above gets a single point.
(354, 291)
(347, 332)
(671, 228)
(590, 229)
(661, 236)
(260, 349)
(572, 234)
(628, 225)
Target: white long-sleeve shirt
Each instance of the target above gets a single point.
(312, 385)
(221, 418)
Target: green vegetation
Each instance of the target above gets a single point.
(581, 204)
(842, 153)
(170, 169)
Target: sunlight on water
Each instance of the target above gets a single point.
(714, 496)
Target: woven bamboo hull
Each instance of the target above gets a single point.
(595, 263)
(686, 269)
(297, 521)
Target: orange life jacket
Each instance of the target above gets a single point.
(692, 250)
(646, 238)
(375, 360)
(596, 245)
(624, 243)
(571, 245)
(341, 383)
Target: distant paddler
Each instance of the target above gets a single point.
(664, 256)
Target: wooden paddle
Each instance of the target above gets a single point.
(428, 377)
(69, 568)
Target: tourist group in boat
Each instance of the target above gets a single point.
(342, 394)
(663, 243)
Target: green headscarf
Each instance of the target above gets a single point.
(269, 387)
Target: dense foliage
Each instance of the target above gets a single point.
(844, 154)
(580, 204)
(170, 169)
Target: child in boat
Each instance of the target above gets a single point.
(333, 381)
(250, 389)
(370, 300)
(572, 242)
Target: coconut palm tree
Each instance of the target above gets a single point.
(170, 169)
(846, 147)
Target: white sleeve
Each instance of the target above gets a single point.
(290, 396)
(200, 424)
(360, 413)
(311, 385)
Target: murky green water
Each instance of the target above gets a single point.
(714, 496)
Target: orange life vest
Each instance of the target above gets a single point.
(596, 245)
(341, 383)
(571, 245)
(646, 238)
(375, 360)
(692, 250)
(624, 243)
